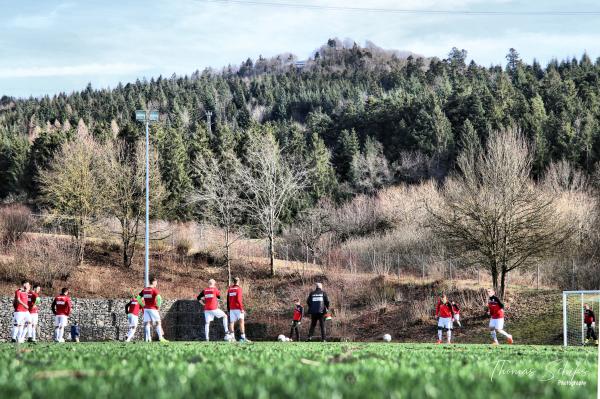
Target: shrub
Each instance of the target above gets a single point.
(15, 220)
(44, 260)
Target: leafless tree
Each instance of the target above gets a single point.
(311, 226)
(74, 184)
(221, 199)
(491, 213)
(270, 181)
(126, 174)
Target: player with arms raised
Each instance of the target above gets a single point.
(495, 310)
(21, 314)
(61, 308)
(151, 300)
(33, 301)
(209, 299)
(235, 308)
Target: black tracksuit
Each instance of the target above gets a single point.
(317, 302)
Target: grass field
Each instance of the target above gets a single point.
(303, 370)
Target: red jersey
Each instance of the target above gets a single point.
(443, 310)
(150, 297)
(62, 305)
(298, 312)
(234, 298)
(496, 308)
(32, 302)
(210, 296)
(455, 309)
(22, 296)
(588, 316)
(133, 307)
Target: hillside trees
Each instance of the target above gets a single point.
(220, 199)
(492, 214)
(74, 186)
(270, 180)
(125, 191)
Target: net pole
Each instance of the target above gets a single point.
(582, 328)
(564, 319)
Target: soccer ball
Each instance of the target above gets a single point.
(387, 337)
(281, 338)
(229, 338)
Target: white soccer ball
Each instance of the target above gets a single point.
(281, 338)
(387, 337)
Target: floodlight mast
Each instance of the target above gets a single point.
(147, 117)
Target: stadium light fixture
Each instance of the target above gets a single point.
(147, 117)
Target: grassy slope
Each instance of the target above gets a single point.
(184, 370)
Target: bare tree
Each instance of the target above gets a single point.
(491, 213)
(270, 181)
(74, 184)
(311, 226)
(220, 197)
(125, 180)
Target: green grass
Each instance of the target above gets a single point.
(303, 370)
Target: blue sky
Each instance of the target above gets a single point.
(51, 46)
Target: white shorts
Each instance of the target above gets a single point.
(210, 315)
(61, 321)
(33, 318)
(497, 324)
(151, 316)
(132, 320)
(457, 317)
(21, 318)
(445, 322)
(235, 315)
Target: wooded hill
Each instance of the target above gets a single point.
(363, 118)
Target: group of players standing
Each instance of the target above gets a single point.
(25, 317)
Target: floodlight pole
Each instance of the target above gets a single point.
(147, 116)
(147, 224)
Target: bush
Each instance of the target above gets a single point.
(183, 246)
(15, 220)
(42, 260)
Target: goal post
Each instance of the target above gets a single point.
(574, 328)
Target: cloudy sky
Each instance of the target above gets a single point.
(53, 46)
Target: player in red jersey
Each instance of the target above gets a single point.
(209, 299)
(61, 308)
(151, 300)
(297, 319)
(445, 314)
(456, 310)
(21, 314)
(589, 319)
(235, 308)
(132, 310)
(33, 301)
(495, 310)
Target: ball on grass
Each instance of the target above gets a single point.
(387, 337)
(281, 338)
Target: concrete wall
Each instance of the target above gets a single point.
(105, 320)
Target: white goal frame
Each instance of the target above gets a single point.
(582, 295)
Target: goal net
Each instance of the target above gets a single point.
(574, 328)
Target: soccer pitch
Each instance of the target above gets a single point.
(303, 370)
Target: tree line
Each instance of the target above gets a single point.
(361, 117)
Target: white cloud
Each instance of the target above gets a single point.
(72, 70)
